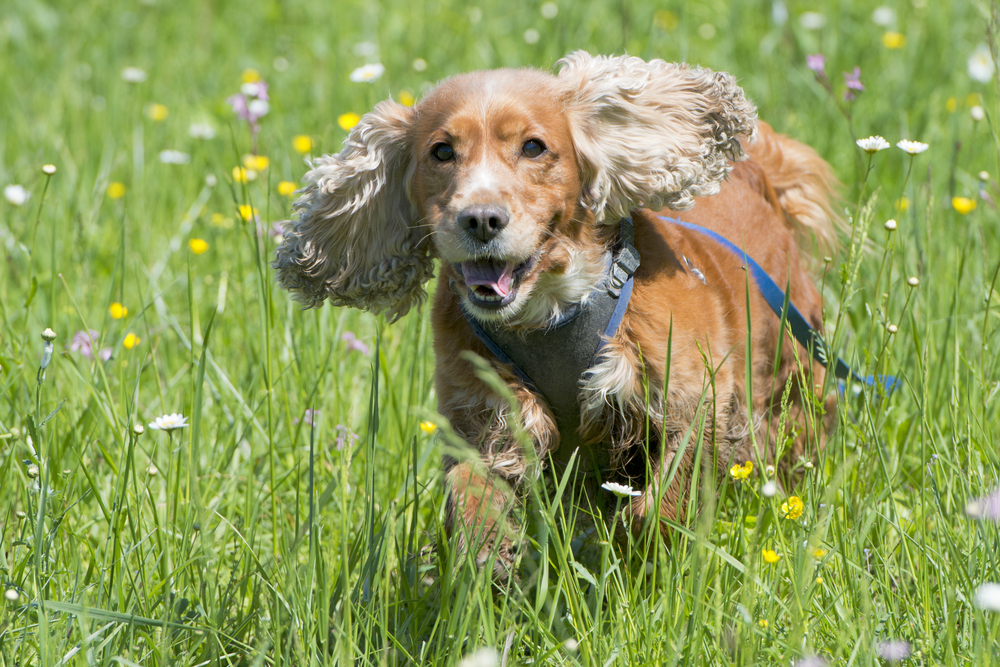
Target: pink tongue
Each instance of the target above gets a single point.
(492, 274)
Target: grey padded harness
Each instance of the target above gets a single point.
(552, 361)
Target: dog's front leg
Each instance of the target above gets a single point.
(483, 493)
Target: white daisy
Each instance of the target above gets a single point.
(812, 20)
(367, 73)
(168, 422)
(484, 657)
(977, 113)
(912, 147)
(620, 490)
(174, 157)
(201, 131)
(884, 16)
(16, 194)
(988, 597)
(873, 144)
(981, 65)
(769, 489)
(133, 75)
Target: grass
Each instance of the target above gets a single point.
(253, 537)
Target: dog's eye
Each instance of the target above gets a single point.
(443, 152)
(533, 148)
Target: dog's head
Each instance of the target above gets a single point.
(507, 176)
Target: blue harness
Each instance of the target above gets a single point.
(552, 361)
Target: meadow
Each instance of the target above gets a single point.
(297, 517)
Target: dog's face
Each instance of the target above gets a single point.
(508, 176)
(496, 182)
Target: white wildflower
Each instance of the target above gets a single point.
(484, 657)
(977, 113)
(201, 131)
(884, 16)
(16, 194)
(168, 422)
(367, 73)
(171, 156)
(531, 36)
(550, 10)
(48, 169)
(133, 75)
(258, 108)
(873, 144)
(981, 65)
(812, 20)
(11, 595)
(620, 490)
(769, 489)
(988, 597)
(419, 65)
(890, 225)
(912, 147)
(913, 281)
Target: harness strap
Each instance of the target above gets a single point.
(808, 337)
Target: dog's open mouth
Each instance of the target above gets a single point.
(493, 283)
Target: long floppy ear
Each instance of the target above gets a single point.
(651, 134)
(355, 241)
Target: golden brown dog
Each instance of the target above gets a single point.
(517, 180)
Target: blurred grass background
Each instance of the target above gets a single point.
(251, 537)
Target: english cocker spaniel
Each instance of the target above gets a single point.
(539, 193)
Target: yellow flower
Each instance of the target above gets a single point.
(250, 75)
(894, 40)
(763, 623)
(348, 120)
(951, 105)
(256, 162)
(792, 508)
(117, 311)
(198, 246)
(241, 175)
(247, 212)
(666, 20)
(287, 188)
(116, 190)
(303, 143)
(819, 581)
(741, 472)
(428, 427)
(220, 220)
(963, 205)
(131, 341)
(157, 112)
(819, 552)
(902, 204)
(406, 98)
(771, 556)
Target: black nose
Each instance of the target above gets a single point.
(483, 221)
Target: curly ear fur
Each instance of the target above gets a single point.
(651, 134)
(355, 241)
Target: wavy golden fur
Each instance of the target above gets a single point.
(516, 180)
